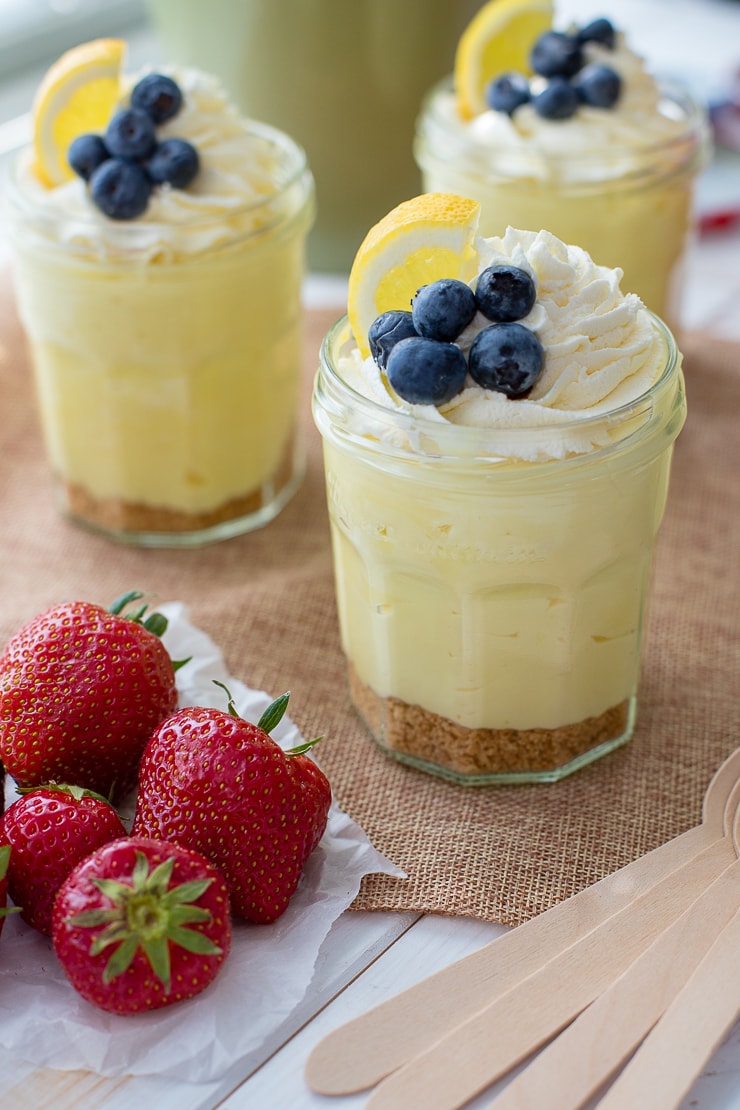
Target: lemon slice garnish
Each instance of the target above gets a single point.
(498, 39)
(77, 95)
(429, 237)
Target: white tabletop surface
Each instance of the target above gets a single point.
(369, 957)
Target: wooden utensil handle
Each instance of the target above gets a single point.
(361, 1052)
(670, 1058)
(574, 1066)
(494, 1040)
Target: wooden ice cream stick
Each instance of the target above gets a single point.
(673, 1054)
(499, 1036)
(361, 1052)
(574, 1066)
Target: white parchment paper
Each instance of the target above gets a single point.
(44, 1020)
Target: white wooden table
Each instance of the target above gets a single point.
(369, 957)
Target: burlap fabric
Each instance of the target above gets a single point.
(498, 853)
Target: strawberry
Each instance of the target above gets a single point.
(141, 924)
(81, 689)
(213, 782)
(50, 830)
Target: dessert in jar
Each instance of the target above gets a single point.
(568, 130)
(159, 242)
(497, 462)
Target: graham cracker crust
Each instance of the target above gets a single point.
(416, 732)
(116, 515)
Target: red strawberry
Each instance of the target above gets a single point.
(215, 783)
(4, 910)
(141, 924)
(81, 689)
(50, 830)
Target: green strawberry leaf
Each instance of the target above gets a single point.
(198, 943)
(301, 749)
(156, 623)
(231, 707)
(186, 892)
(157, 951)
(184, 915)
(121, 959)
(274, 713)
(117, 607)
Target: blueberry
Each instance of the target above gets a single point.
(86, 153)
(506, 357)
(158, 96)
(130, 134)
(386, 330)
(120, 189)
(425, 372)
(505, 293)
(558, 100)
(508, 92)
(556, 54)
(599, 30)
(175, 162)
(598, 86)
(443, 309)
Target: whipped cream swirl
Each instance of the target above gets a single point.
(602, 351)
(250, 178)
(595, 144)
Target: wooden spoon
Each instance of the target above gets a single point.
(361, 1052)
(573, 1067)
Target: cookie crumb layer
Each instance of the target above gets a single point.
(472, 752)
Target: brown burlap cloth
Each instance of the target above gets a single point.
(498, 853)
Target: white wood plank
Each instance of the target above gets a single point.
(432, 943)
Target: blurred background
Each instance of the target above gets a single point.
(403, 48)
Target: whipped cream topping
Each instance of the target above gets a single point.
(243, 185)
(602, 351)
(592, 145)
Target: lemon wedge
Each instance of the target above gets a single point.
(77, 95)
(428, 237)
(498, 39)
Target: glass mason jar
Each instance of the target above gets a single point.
(344, 77)
(627, 206)
(168, 378)
(492, 610)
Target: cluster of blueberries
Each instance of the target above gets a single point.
(124, 165)
(558, 57)
(417, 349)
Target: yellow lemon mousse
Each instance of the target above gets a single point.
(492, 548)
(566, 128)
(159, 253)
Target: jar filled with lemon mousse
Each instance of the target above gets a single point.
(497, 463)
(568, 130)
(159, 251)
